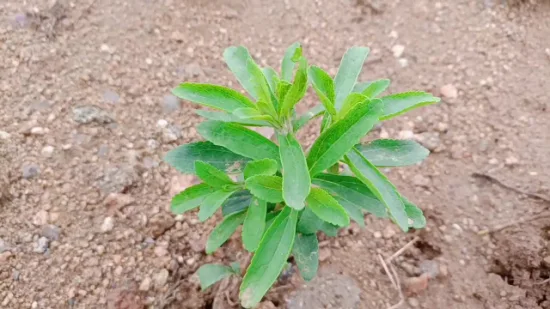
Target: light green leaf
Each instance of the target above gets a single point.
(306, 255)
(223, 231)
(272, 79)
(337, 140)
(353, 211)
(297, 54)
(236, 268)
(324, 87)
(327, 208)
(382, 188)
(239, 139)
(282, 90)
(330, 230)
(297, 90)
(268, 188)
(372, 89)
(296, 180)
(183, 158)
(211, 175)
(415, 214)
(326, 122)
(350, 102)
(352, 190)
(287, 66)
(190, 198)
(350, 67)
(269, 259)
(212, 96)
(306, 117)
(260, 167)
(225, 117)
(259, 82)
(397, 104)
(237, 202)
(390, 153)
(209, 274)
(254, 224)
(237, 58)
(251, 113)
(212, 202)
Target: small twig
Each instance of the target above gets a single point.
(400, 251)
(401, 297)
(516, 222)
(229, 301)
(385, 266)
(542, 282)
(503, 185)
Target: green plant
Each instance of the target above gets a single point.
(281, 196)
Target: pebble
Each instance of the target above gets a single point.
(416, 285)
(546, 261)
(47, 151)
(145, 285)
(108, 224)
(493, 161)
(160, 223)
(429, 140)
(41, 218)
(4, 135)
(511, 160)
(170, 103)
(420, 180)
(160, 251)
(117, 201)
(406, 134)
(388, 232)
(398, 50)
(413, 302)
(30, 171)
(324, 254)
(430, 267)
(377, 234)
(3, 246)
(162, 123)
(110, 96)
(190, 261)
(41, 245)
(116, 179)
(449, 91)
(88, 113)
(4, 256)
(170, 134)
(403, 62)
(38, 131)
(51, 232)
(161, 278)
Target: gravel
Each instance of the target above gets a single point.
(89, 113)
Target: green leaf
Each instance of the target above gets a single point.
(307, 116)
(353, 211)
(297, 55)
(326, 122)
(251, 113)
(239, 139)
(306, 255)
(352, 190)
(282, 90)
(190, 198)
(225, 117)
(372, 89)
(212, 202)
(309, 223)
(327, 208)
(260, 167)
(254, 224)
(237, 202)
(287, 66)
(415, 214)
(268, 188)
(397, 104)
(183, 158)
(297, 90)
(390, 153)
(350, 67)
(259, 82)
(236, 268)
(211, 175)
(223, 231)
(382, 188)
(212, 96)
(324, 87)
(269, 259)
(337, 140)
(237, 58)
(330, 230)
(296, 180)
(272, 79)
(350, 102)
(209, 274)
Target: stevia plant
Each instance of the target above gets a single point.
(280, 195)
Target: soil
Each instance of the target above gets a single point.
(87, 117)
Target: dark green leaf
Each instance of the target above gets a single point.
(270, 258)
(225, 117)
(337, 140)
(330, 230)
(237, 202)
(239, 139)
(190, 198)
(415, 214)
(260, 167)
(254, 224)
(236, 268)
(382, 188)
(390, 153)
(372, 89)
(324, 87)
(212, 96)
(306, 255)
(183, 158)
(309, 223)
(268, 188)
(350, 102)
(237, 58)
(288, 65)
(326, 207)
(350, 67)
(223, 231)
(296, 180)
(397, 104)
(211, 175)
(212, 202)
(353, 211)
(296, 91)
(212, 273)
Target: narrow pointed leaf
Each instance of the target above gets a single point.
(390, 153)
(212, 203)
(239, 139)
(237, 58)
(343, 135)
(217, 97)
(327, 208)
(272, 79)
(296, 91)
(183, 158)
(350, 102)
(211, 175)
(237, 202)
(296, 180)
(350, 67)
(209, 274)
(397, 104)
(226, 117)
(190, 198)
(282, 90)
(306, 255)
(324, 87)
(260, 167)
(254, 224)
(382, 188)
(307, 116)
(259, 82)
(372, 89)
(352, 210)
(415, 214)
(268, 188)
(269, 259)
(287, 66)
(223, 231)
(326, 122)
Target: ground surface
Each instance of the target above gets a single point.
(84, 194)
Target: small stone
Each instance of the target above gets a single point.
(3, 246)
(4, 256)
(546, 261)
(160, 223)
(429, 140)
(398, 50)
(108, 224)
(393, 34)
(170, 103)
(403, 62)
(171, 134)
(30, 171)
(110, 96)
(324, 254)
(416, 285)
(449, 91)
(493, 161)
(88, 113)
(406, 134)
(41, 245)
(413, 302)
(421, 180)
(4, 135)
(116, 179)
(160, 251)
(41, 218)
(161, 278)
(51, 232)
(117, 201)
(377, 234)
(145, 285)
(512, 160)
(47, 151)
(104, 48)
(388, 232)
(38, 131)
(162, 123)
(430, 267)
(149, 61)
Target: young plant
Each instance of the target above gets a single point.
(283, 197)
